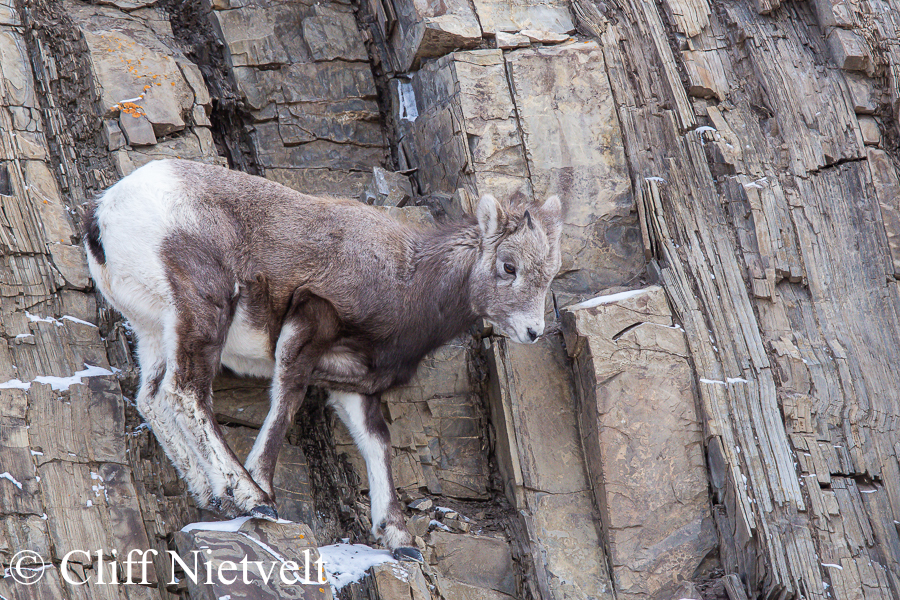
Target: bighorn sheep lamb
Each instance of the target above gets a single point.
(212, 266)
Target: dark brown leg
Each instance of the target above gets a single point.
(308, 330)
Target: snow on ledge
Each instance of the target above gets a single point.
(231, 526)
(57, 383)
(6, 475)
(347, 563)
(728, 381)
(599, 300)
(343, 563)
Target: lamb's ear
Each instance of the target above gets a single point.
(490, 215)
(552, 210)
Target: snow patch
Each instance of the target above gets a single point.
(656, 179)
(37, 319)
(439, 525)
(831, 565)
(62, 383)
(14, 384)
(407, 97)
(76, 320)
(57, 383)
(6, 475)
(346, 563)
(400, 572)
(728, 381)
(600, 300)
(233, 525)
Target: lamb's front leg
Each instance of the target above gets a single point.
(362, 415)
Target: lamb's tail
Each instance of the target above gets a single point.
(91, 226)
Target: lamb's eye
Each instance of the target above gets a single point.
(509, 268)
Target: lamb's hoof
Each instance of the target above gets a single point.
(224, 507)
(408, 554)
(264, 512)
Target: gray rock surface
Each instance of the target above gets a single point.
(744, 153)
(637, 409)
(467, 135)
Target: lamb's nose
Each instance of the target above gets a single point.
(532, 334)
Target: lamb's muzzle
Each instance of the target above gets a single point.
(215, 267)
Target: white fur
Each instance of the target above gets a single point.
(246, 350)
(552, 207)
(488, 214)
(349, 407)
(519, 324)
(342, 361)
(135, 216)
(276, 399)
(163, 420)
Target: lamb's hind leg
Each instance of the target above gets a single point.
(197, 336)
(204, 295)
(362, 415)
(161, 418)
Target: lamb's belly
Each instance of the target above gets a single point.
(246, 350)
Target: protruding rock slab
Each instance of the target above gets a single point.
(554, 131)
(135, 72)
(482, 562)
(887, 190)
(506, 41)
(428, 29)
(540, 458)
(457, 123)
(400, 580)
(267, 548)
(574, 149)
(516, 15)
(303, 70)
(640, 426)
(387, 188)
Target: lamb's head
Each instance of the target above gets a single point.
(519, 258)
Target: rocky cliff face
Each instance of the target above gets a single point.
(725, 430)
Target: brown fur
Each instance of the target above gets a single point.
(347, 298)
(399, 292)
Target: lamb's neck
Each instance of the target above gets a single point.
(444, 260)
